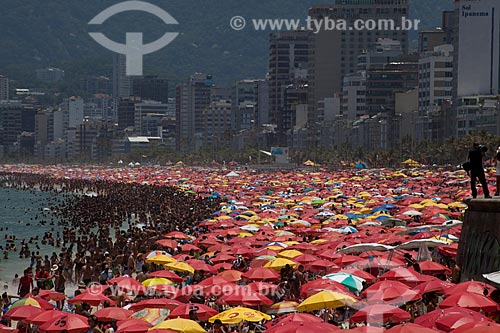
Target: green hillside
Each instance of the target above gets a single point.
(39, 33)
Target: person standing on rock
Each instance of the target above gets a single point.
(475, 158)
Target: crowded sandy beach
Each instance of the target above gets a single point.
(183, 249)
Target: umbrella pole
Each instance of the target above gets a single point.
(389, 259)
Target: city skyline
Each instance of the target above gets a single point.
(358, 88)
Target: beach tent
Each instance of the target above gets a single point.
(410, 162)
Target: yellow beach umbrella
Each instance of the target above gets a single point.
(156, 282)
(289, 254)
(459, 205)
(275, 247)
(179, 325)
(180, 266)
(280, 263)
(325, 299)
(365, 210)
(319, 241)
(161, 259)
(239, 314)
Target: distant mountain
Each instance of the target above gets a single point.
(37, 33)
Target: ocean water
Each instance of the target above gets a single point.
(21, 212)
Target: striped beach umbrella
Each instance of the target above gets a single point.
(283, 307)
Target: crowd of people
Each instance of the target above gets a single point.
(107, 228)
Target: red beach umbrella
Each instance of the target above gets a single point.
(383, 285)
(293, 317)
(247, 298)
(231, 274)
(91, 298)
(214, 280)
(23, 312)
(200, 265)
(315, 286)
(155, 303)
(303, 327)
(434, 285)
(346, 260)
(450, 318)
(471, 301)
(202, 311)
(305, 259)
(51, 295)
(113, 313)
(431, 267)
(223, 258)
(189, 247)
(132, 322)
(261, 274)
(406, 276)
(168, 243)
(128, 283)
(470, 287)
(176, 235)
(44, 317)
(411, 328)
(71, 323)
(167, 275)
(365, 329)
(394, 296)
(380, 313)
(263, 287)
(479, 327)
(322, 265)
(362, 274)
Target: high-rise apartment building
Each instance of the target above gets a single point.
(150, 88)
(192, 98)
(478, 47)
(218, 121)
(435, 78)
(383, 83)
(15, 118)
(288, 64)
(122, 83)
(73, 111)
(429, 39)
(126, 112)
(353, 103)
(146, 113)
(333, 54)
(250, 99)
